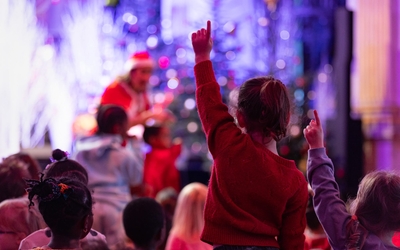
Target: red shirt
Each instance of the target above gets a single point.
(160, 171)
(255, 197)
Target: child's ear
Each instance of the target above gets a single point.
(240, 119)
(86, 225)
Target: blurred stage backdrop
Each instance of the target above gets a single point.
(57, 56)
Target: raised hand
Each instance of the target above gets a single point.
(202, 43)
(314, 133)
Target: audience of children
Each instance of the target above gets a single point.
(61, 167)
(113, 170)
(374, 214)
(188, 219)
(255, 198)
(159, 165)
(144, 223)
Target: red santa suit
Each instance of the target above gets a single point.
(122, 94)
(119, 93)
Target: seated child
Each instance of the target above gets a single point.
(59, 168)
(144, 223)
(66, 207)
(160, 171)
(374, 214)
(188, 219)
(13, 173)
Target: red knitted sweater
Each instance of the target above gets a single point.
(255, 198)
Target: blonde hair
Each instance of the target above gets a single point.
(377, 204)
(188, 219)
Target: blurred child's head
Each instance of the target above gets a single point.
(112, 119)
(158, 136)
(64, 167)
(17, 221)
(33, 165)
(13, 173)
(188, 217)
(65, 204)
(264, 107)
(143, 220)
(377, 204)
(167, 197)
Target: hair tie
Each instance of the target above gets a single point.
(47, 190)
(64, 190)
(66, 154)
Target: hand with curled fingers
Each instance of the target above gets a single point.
(314, 133)
(202, 43)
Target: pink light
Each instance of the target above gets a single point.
(163, 62)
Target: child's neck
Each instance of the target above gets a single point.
(268, 142)
(61, 242)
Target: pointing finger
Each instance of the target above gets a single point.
(317, 117)
(208, 34)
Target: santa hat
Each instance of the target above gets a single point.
(139, 60)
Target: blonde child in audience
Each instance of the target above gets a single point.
(188, 219)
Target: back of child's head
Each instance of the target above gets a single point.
(13, 173)
(377, 205)
(33, 165)
(64, 167)
(63, 203)
(188, 217)
(265, 105)
(158, 136)
(149, 132)
(143, 220)
(168, 197)
(109, 116)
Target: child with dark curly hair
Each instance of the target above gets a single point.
(66, 207)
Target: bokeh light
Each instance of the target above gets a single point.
(173, 83)
(190, 104)
(152, 41)
(163, 62)
(192, 127)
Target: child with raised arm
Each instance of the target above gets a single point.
(374, 214)
(255, 198)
